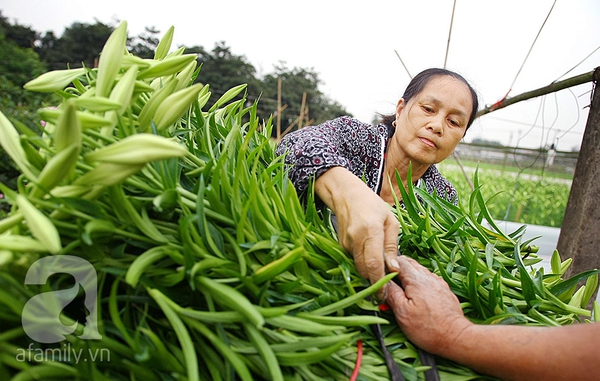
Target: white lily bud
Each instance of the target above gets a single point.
(229, 95)
(96, 104)
(40, 226)
(69, 190)
(175, 106)
(110, 60)
(54, 80)
(138, 149)
(68, 128)
(123, 90)
(149, 109)
(130, 60)
(21, 243)
(164, 45)
(56, 170)
(185, 76)
(177, 52)
(87, 120)
(167, 66)
(11, 143)
(107, 174)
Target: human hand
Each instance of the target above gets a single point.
(367, 228)
(425, 308)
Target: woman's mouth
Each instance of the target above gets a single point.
(428, 142)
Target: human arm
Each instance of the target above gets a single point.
(367, 228)
(341, 142)
(343, 155)
(430, 315)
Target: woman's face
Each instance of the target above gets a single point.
(430, 125)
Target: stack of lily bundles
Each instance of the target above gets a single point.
(169, 244)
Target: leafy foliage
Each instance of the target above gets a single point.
(79, 45)
(29, 54)
(295, 83)
(223, 70)
(18, 65)
(525, 199)
(207, 263)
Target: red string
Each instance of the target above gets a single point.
(359, 348)
(499, 103)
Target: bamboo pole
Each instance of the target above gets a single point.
(302, 106)
(553, 87)
(462, 168)
(279, 109)
(289, 128)
(449, 34)
(300, 119)
(403, 65)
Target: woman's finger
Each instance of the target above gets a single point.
(373, 257)
(390, 240)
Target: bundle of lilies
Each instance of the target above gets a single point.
(153, 236)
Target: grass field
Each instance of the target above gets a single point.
(524, 196)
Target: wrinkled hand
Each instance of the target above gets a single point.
(367, 228)
(425, 308)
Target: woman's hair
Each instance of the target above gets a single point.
(418, 83)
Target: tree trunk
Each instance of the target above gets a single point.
(580, 232)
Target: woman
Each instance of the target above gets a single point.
(354, 164)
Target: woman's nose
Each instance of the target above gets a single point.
(437, 126)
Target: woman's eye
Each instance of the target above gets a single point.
(427, 109)
(454, 122)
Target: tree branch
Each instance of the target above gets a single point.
(553, 87)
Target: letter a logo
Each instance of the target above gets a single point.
(41, 314)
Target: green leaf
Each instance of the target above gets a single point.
(527, 285)
(565, 285)
(591, 286)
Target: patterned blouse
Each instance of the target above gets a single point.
(352, 144)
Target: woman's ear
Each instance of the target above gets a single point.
(400, 106)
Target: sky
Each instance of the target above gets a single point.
(360, 51)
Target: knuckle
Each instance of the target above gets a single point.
(373, 264)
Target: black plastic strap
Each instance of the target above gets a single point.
(391, 364)
(427, 358)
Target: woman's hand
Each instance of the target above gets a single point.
(425, 308)
(367, 228)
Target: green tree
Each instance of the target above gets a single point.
(22, 36)
(144, 45)
(295, 83)
(80, 44)
(222, 70)
(18, 65)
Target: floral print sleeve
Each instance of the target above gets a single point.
(352, 144)
(436, 182)
(343, 141)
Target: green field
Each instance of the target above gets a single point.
(530, 197)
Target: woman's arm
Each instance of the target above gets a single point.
(430, 315)
(341, 155)
(341, 142)
(367, 228)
